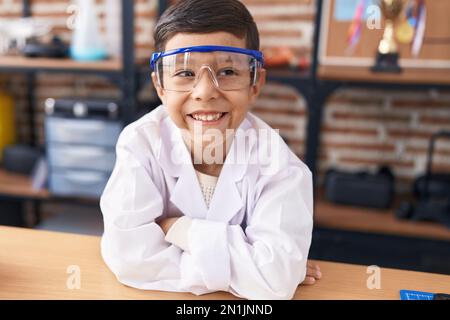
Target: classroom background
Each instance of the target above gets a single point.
(367, 136)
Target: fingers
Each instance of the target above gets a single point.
(309, 281)
(313, 265)
(314, 272)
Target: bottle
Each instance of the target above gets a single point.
(87, 44)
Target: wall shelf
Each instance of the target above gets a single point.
(381, 221)
(19, 186)
(428, 76)
(23, 64)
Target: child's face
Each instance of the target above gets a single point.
(205, 97)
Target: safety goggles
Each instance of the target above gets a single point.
(229, 68)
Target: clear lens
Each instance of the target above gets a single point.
(228, 70)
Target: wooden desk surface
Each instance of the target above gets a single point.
(33, 265)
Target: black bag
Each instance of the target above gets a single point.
(432, 192)
(21, 158)
(360, 188)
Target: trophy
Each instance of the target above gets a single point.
(387, 54)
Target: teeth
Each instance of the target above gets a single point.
(207, 117)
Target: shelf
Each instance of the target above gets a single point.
(17, 185)
(411, 76)
(24, 64)
(350, 218)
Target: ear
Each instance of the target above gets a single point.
(256, 89)
(159, 90)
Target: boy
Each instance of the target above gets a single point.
(204, 195)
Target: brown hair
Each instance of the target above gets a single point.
(207, 16)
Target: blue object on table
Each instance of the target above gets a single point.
(415, 295)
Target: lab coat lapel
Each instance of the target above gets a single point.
(176, 161)
(187, 196)
(227, 200)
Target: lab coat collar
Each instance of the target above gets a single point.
(175, 159)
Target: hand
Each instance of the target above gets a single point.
(312, 273)
(167, 223)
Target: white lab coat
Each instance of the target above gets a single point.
(254, 239)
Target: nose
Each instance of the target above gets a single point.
(205, 87)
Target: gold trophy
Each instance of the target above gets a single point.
(387, 55)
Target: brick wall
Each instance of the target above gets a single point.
(361, 128)
(366, 128)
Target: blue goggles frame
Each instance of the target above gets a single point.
(258, 55)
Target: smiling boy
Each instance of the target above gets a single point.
(204, 195)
